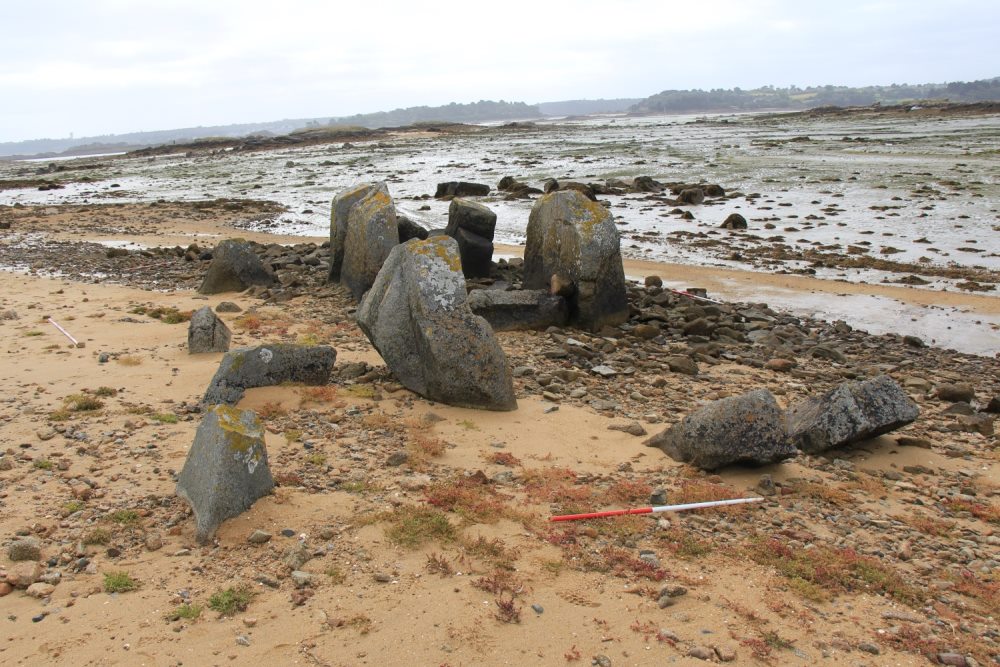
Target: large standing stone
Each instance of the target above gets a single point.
(740, 429)
(570, 235)
(417, 316)
(235, 267)
(268, 365)
(207, 332)
(226, 469)
(511, 310)
(851, 412)
(371, 234)
(472, 225)
(339, 214)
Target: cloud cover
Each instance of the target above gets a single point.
(111, 66)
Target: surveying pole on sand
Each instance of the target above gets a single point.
(654, 509)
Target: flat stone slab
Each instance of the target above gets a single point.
(268, 365)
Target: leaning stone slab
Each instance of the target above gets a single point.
(268, 365)
(570, 235)
(417, 316)
(513, 310)
(849, 413)
(226, 469)
(740, 429)
(371, 234)
(235, 266)
(339, 213)
(207, 332)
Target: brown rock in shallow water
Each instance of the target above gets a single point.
(734, 221)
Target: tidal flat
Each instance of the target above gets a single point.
(868, 198)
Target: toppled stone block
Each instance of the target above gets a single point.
(226, 469)
(461, 189)
(851, 412)
(268, 365)
(235, 267)
(740, 429)
(207, 332)
(514, 310)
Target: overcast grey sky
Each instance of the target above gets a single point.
(110, 66)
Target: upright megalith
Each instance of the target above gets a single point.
(417, 316)
(850, 412)
(226, 469)
(575, 238)
(472, 225)
(268, 365)
(371, 234)
(235, 267)
(740, 429)
(339, 214)
(207, 332)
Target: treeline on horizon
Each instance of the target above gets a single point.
(474, 112)
(793, 97)
(668, 101)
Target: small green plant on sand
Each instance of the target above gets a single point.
(119, 582)
(187, 611)
(413, 526)
(231, 600)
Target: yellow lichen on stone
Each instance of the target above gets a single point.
(430, 246)
(239, 436)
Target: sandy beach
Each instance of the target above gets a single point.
(497, 584)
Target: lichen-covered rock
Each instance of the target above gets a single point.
(235, 266)
(513, 310)
(417, 316)
(371, 235)
(207, 332)
(268, 365)
(339, 214)
(570, 235)
(26, 548)
(850, 412)
(226, 469)
(740, 429)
